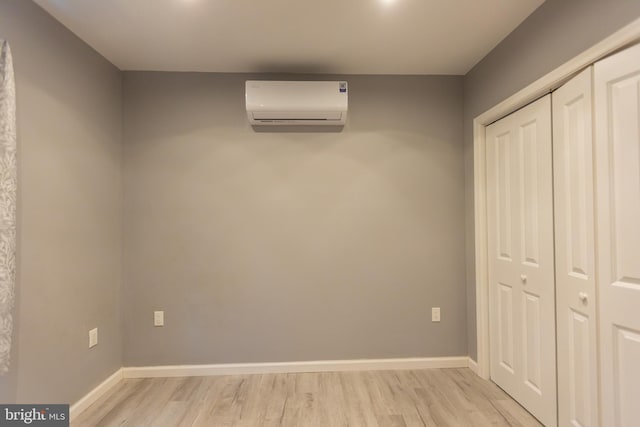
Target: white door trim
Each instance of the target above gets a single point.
(624, 37)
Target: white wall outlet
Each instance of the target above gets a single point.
(435, 314)
(158, 318)
(93, 337)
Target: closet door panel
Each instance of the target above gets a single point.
(503, 249)
(617, 100)
(575, 252)
(521, 260)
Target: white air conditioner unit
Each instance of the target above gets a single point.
(296, 103)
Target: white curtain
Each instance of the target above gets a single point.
(7, 201)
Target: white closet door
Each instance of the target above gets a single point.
(521, 260)
(575, 253)
(617, 101)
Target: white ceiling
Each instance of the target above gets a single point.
(321, 36)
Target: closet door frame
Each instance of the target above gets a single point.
(624, 37)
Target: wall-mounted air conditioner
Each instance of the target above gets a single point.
(296, 103)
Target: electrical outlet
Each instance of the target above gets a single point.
(93, 337)
(435, 314)
(158, 318)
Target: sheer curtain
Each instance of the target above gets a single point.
(7, 201)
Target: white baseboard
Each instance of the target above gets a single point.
(473, 365)
(95, 394)
(292, 367)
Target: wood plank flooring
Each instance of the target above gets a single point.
(431, 397)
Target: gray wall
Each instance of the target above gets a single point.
(556, 32)
(69, 210)
(286, 246)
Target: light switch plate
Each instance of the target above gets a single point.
(93, 337)
(158, 318)
(435, 314)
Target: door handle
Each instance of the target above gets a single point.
(523, 279)
(584, 297)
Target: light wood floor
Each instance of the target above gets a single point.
(432, 397)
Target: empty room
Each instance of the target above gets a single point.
(336, 213)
